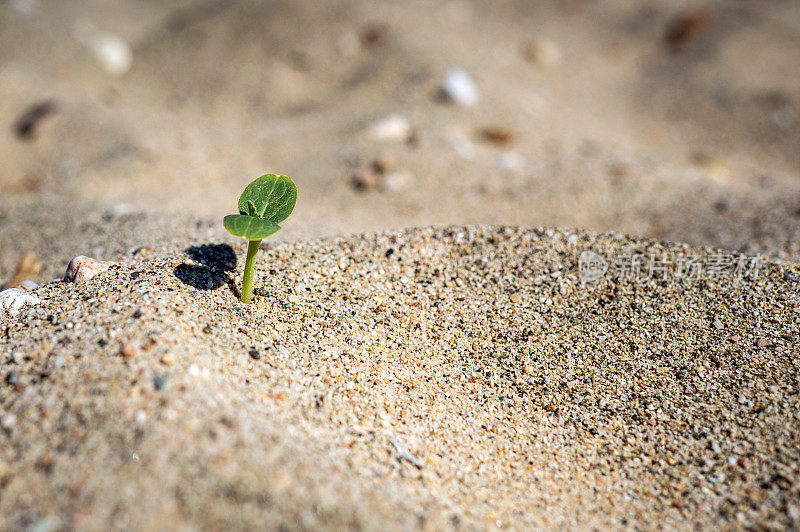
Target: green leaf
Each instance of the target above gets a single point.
(271, 197)
(249, 227)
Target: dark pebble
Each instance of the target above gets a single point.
(207, 329)
(25, 125)
(12, 377)
(255, 354)
(159, 382)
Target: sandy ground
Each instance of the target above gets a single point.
(415, 378)
(435, 378)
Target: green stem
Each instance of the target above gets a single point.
(247, 282)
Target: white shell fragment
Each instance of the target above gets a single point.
(81, 269)
(13, 299)
(460, 88)
(28, 285)
(111, 51)
(394, 128)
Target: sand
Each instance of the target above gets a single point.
(458, 374)
(432, 378)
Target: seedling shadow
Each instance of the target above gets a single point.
(213, 264)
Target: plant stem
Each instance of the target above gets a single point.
(247, 282)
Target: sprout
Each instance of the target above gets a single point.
(265, 202)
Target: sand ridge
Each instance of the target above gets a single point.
(434, 378)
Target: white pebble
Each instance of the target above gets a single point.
(111, 51)
(510, 160)
(81, 269)
(28, 285)
(13, 299)
(460, 88)
(396, 181)
(392, 128)
(8, 421)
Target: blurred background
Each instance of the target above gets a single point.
(667, 119)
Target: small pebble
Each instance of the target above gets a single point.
(383, 163)
(12, 377)
(8, 421)
(499, 135)
(718, 324)
(543, 52)
(112, 51)
(685, 27)
(510, 160)
(28, 285)
(364, 179)
(374, 35)
(13, 299)
(159, 382)
(255, 354)
(458, 87)
(396, 181)
(714, 167)
(394, 128)
(81, 269)
(129, 350)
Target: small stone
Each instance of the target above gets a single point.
(255, 354)
(374, 35)
(159, 382)
(543, 52)
(129, 350)
(168, 360)
(458, 87)
(13, 299)
(81, 269)
(8, 421)
(207, 329)
(364, 180)
(619, 170)
(684, 27)
(396, 181)
(496, 135)
(112, 51)
(28, 285)
(137, 313)
(515, 297)
(714, 167)
(718, 324)
(510, 160)
(395, 128)
(383, 163)
(12, 377)
(528, 369)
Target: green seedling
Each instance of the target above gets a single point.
(265, 202)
